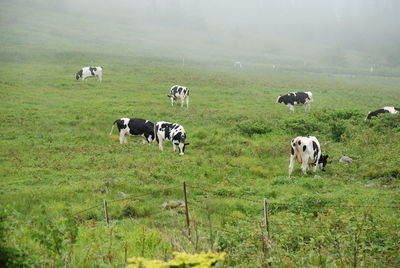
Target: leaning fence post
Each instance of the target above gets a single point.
(186, 209)
(106, 212)
(266, 223)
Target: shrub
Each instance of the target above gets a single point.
(337, 130)
(302, 127)
(250, 128)
(128, 210)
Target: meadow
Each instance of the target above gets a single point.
(58, 164)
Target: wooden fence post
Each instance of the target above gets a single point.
(266, 223)
(186, 209)
(106, 212)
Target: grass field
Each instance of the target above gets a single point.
(57, 159)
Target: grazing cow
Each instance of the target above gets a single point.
(307, 151)
(237, 64)
(134, 127)
(179, 92)
(386, 109)
(296, 98)
(86, 72)
(171, 132)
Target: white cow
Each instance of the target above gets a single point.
(86, 72)
(179, 92)
(171, 132)
(307, 151)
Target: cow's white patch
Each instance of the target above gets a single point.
(391, 110)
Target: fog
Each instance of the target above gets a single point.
(360, 33)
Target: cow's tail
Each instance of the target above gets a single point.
(112, 128)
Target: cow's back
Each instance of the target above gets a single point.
(140, 126)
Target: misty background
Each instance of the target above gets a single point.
(296, 34)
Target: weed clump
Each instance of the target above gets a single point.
(250, 128)
(302, 127)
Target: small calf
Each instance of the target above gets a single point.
(307, 151)
(179, 92)
(86, 72)
(296, 98)
(134, 127)
(387, 109)
(171, 132)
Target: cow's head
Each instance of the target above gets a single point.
(279, 99)
(323, 161)
(182, 144)
(171, 96)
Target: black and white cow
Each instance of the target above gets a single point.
(296, 98)
(171, 132)
(179, 92)
(307, 151)
(134, 127)
(86, 72)
(386, 109)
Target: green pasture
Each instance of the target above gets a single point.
(57, 160)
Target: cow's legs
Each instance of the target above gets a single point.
(160, 141)
(122, 138)
(291, 107)
(182, 100)
(315, 167)
(291, 164)
(100, 77)
(308, 107)
(149, 138)
(187, 101)
(144, 140)
(304, 167)
(174, 146)
(172, 101)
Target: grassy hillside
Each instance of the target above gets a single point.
(57, 158)
(58, 162)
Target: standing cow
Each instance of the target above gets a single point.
(307, 151)
(296, 98)
(179, 92)
(386, 109)
(86, 72)
(171, 132)
(134, 127)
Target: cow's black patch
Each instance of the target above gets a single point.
(180, 90)
(79, 74)
(316, 149)
(304, 148)
(376, 112)
(92, 70)
(292, 151)
(292, 98)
